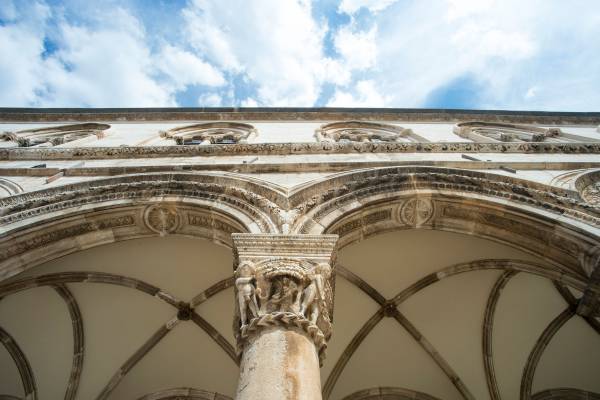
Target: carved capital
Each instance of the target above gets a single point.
(285, 281)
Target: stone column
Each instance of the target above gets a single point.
(284, 301)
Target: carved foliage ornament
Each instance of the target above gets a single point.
(211, 133)
(54, 135)
(359, 131)
(285, 292)
(501, 132)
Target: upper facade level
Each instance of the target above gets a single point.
(321, 129)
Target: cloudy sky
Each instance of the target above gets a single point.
(502, 54)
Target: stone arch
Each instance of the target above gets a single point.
(383, 393)
(46, 224)
(551, 223)
(184, 393)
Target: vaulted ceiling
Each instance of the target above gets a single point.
(433, 343)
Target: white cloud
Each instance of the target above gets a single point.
(107, 63)
(467, 8)
(210, 100)
(277, 45)
(550, 45)
(270, 53)
(484, 42)
(352, 6)
(249, 102)
(358, 49)
(106, 67)
(364, 94)
(21, 66)
(184, 68)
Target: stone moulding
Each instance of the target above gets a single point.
(211, 133)
(293, 114)
(184, 394)
(129, 152)
(287, 320)
(385, 393)
(322, 198)
(482, 132)
(54, 135)
(9, 187)
(494, 205)
(243, 195)
(365, 132)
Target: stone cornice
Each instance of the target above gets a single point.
(128, 152)
(314, 247)
(292, 114)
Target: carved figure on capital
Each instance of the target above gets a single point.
(284, 286)
(314, 297)
(245, 284)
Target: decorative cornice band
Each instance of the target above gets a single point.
(127, 152)
(292, 114)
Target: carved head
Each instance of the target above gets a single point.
(324, 269)
(245, 269)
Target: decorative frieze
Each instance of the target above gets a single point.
(44, 239)
(257, 149)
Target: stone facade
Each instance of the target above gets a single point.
(285, 190)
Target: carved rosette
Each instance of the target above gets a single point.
(162, 219)
(284, 281)
(416, 211)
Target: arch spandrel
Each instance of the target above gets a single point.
(43, 225)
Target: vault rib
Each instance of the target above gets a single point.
(25, 371)
(487, 334)
(78, 340)
(538, 350)
(216, 336)
(136, 357)
(388, 308)
(349, 351)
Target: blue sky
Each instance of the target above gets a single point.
(484, 54)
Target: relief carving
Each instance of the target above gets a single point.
(479, 131)
(591, 194)
(54, 135)
(325, 147)
(211, 133)
(284, 281)
(284, 286)
(416, 211)
(162, 219)
(365, 132)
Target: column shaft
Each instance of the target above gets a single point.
(279, 364)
